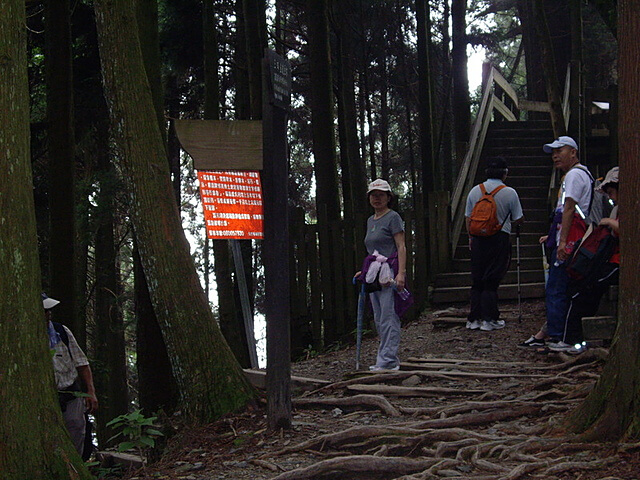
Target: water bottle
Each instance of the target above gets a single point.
(403, 294)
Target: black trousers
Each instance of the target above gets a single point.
(585, 301)
(490, 258)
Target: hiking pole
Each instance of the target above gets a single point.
(361, 299)
(518, 271)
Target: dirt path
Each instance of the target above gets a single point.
(465, 404)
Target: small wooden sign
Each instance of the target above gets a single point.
(279, 80)
(232, 202)
(222, 144)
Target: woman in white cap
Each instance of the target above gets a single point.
(384, 272)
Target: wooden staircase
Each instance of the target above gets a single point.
(530, 169)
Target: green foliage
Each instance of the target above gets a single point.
(103, 473)
(139, 431)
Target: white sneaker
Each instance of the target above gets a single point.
(559, 346)
(376, 368)
(488, 325)
(475, 325)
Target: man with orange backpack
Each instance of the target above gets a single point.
(491, 209)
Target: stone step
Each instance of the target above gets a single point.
(463, 279)
(526, 263)
(599, 328)
(507, 139)
(541, 181)
(505, 292)
(462, 250)
(526, 239)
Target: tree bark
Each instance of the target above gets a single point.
(552, 83)
(231, 324)
(109, 345)
(612, 409)
(58, 61)
(322, 111)
(211, 381)
(157, 388)
(461, 102)
(425, 115)
(33, 440)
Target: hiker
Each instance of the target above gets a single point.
(586, 295)
(491, 210)
(568, 226)
(384, 273)
(70, 365)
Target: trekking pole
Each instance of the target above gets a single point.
(518, 271)
(361, 300)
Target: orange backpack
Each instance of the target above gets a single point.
(483, 221)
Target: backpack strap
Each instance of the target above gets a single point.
(492, 192)
(585, 170)
(63, 335)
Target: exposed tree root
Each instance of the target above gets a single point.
(375, 401)
(394, 390)
(516, 423)
(349, 467)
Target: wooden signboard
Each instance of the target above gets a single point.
(222, 144)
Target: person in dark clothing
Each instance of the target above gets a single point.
(490, 255)
(585, 299)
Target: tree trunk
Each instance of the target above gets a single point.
(554, 90)
(533, 59)
(322, 111)
(34, 443)
(612, 409)
(211, 382)
(111, 378)
(461, 102)
(157, 388)
(324, 146)
(425, 116)
(231, 324)
(58, 63)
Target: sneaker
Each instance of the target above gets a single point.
(559, 346)
(488, 325)
(532, 341)
(376, 368)
(475, 325)
(577, 349)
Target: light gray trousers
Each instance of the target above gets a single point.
(387, 325)
(75, 421)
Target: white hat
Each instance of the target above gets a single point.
(47, 302)
(612, 177)
(381, 185)
(560, 142)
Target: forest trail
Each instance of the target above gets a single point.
(465, 404)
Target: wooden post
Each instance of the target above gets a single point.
(276, 91)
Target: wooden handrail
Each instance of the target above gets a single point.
(489, 103)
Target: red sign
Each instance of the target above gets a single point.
(232, 202)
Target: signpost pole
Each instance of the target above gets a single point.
(276, 88)
(244, 301)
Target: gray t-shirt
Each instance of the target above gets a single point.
(380, 233)
(507, 202)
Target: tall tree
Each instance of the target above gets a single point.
(552, 82)
(428, 161)
(58, 61)
(30, 418)
(461, 102)
(324, 147)
(210, 380)
(612, 409)
(157, 386)
(231, 323)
